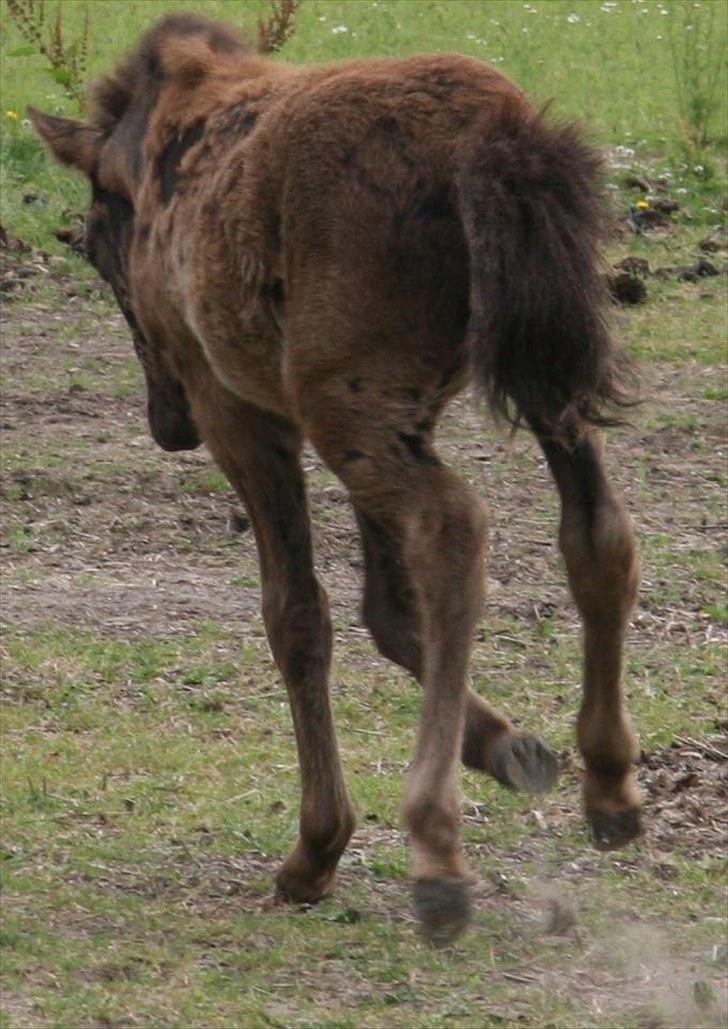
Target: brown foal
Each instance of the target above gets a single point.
(331, 253)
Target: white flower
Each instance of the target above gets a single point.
(339, 28)
(573, 18)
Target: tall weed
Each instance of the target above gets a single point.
(66, 59)
(697, 33)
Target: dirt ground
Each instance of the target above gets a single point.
(104, 532)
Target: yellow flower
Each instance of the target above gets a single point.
(642, 204)
(12, 114)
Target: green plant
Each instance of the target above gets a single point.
(697, 33)
(275, 30)
(67, 60)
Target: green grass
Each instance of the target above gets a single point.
(684, 326)
(127, 875)
(634, 96)
(550, 48)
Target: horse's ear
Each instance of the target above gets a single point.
(72, 142)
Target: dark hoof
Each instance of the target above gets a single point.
(293, 889)
(523, 762)
(443, 908)
(298, 895)
(612, 831)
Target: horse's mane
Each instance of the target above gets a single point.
(141, 73)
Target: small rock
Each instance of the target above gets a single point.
(540, 820)
(705, 268)
(627, 289)
(692, 272)
(237, 523)
(710, 245)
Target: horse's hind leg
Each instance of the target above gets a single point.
(440, 526)
(490, 744)
(259, 453)
(597, 542)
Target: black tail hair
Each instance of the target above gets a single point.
(535, 220)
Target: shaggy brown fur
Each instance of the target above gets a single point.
(333, 253)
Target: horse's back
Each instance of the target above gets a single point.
(341, 202)
(368, 208)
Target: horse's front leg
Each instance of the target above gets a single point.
(597, 541)
(259, 453)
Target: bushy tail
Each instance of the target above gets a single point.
(534, 219)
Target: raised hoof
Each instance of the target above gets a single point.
(610, 830)
(523, 762)
(443, 907)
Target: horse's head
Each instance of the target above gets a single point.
(110, 151)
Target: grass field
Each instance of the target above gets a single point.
(149, 782)
(612, 64)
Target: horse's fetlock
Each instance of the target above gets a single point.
(325, 834)
(609, 747)
(435, 823)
